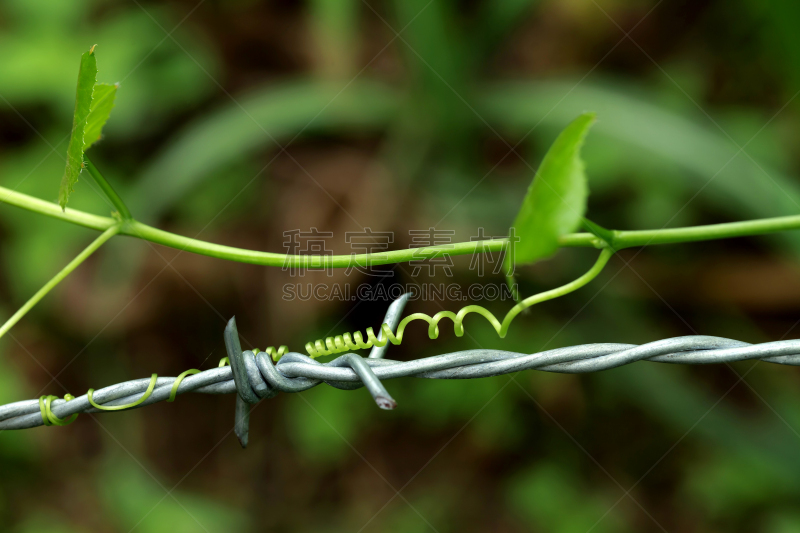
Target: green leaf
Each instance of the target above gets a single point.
(103, 97)
(643, 142)
(87, 75)
(556, 200)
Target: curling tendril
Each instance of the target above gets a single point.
(355, 341)
(48, 417)
(145, 396)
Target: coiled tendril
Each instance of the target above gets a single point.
(275, 354)
(48, 417)
(355, 341)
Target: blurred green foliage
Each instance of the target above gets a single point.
(404, 131)
(551, 497)
(135, 500)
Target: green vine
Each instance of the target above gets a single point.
(622, 239)
(552, 210)
(128, 226)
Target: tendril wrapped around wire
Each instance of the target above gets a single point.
(275, 354)
(50, 419)
(355, 341)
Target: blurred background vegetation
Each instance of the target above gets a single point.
(239, 120)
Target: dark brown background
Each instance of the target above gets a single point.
(697, 124)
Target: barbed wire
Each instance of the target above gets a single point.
(254, 376)
(297, 372)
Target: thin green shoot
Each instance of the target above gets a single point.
(63, 273)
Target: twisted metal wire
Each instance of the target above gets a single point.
(254, 376)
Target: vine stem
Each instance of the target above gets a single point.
(72, 265)
(622, 239)
(109, 191)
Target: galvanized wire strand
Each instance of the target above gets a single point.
(297, 372)
(27, 414)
